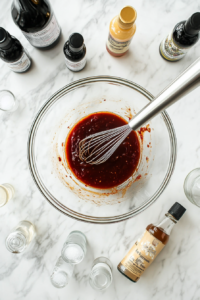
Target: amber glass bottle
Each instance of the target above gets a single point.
(145, 250)
(121, 30)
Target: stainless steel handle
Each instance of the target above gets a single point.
(182, 85)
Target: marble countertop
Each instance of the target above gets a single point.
(175, 273)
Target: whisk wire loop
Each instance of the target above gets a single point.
(98, 147)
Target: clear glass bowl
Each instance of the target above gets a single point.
(49, 167)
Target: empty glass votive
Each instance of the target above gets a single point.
(101, 274)
(6, 193)
(192, 186)
(20, 237)
(75, 247)
(62, 273)
(8, 102)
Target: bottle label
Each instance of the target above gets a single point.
(117, 46)
(22, 64)
(46, 36)
(170, 51)
(75, 66)
(141, 255)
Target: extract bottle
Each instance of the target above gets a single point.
(121, 30)
(37, 22)
(75, 52)
(154, 239)
(13, 53)
(184, 35)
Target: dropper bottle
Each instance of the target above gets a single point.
(75, 52)
(181, 39)
(13, 53)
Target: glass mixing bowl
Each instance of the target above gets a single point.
(49, 168)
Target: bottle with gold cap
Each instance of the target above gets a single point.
(122, 29)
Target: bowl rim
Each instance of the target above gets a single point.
(31, 158)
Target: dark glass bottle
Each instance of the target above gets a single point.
(37, 22)
(184, 35)
(13, 53)
(154, 239)
(75, 52)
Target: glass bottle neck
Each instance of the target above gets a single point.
(75, 50)
(167, 223)
(27, 4)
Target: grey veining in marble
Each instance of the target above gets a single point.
(176, 271)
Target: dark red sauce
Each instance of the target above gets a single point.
(118, 168)
(143, 130)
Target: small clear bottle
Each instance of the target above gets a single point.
(6, 193)
(101, 274)
(13, 53)
(62, 273)
(20, 237)
(75, 52)
(75, 248)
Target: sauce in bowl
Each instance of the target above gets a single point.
(118, 168)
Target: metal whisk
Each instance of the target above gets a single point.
(97, 148)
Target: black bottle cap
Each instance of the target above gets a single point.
(76, 42)
(5, 39)
(177, 210)
(192, 25)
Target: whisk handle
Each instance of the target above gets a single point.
(182, 85)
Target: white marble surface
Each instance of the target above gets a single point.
(175, 273)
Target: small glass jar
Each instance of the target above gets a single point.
(8, 103)
(75, 248)
(6, 193)
(20, 237)
(75, 52)
(101, 274)
(62, 273)
(192, 187)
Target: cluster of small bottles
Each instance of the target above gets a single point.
(184, 35)
(39, 25)
(73, 253)
(138, 259)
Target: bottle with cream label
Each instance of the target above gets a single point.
(181, 39)
(154, 239)
(121, 31)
